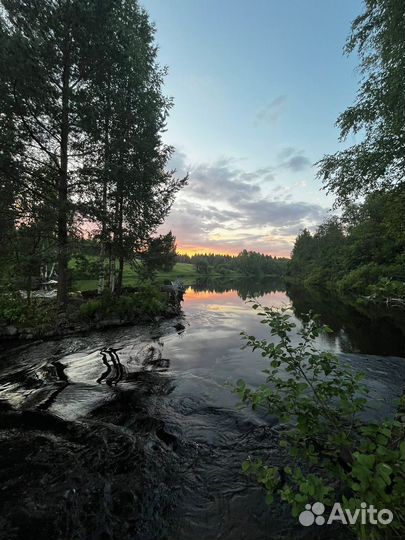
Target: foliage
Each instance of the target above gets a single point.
(160, 253)
(14, 309)
(144, 304)
(366, 245)
(246, 263)
(334, 456)
(82, 112)
(84, 267)
(377, 161)
(353, 253)
(388, 290)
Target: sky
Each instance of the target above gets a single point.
(257, 88)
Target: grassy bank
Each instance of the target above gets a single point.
(184, 271)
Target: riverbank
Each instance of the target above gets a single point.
(85, 313)
(379, 298)
(388, 293)
(185, 272)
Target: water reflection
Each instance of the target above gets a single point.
(244, 288)
(359, 329)
(115, 366)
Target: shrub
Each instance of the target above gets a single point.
(359, 279)
(82, 267)
(386, 289)
(14, 309)
(335, 457)
(92, 310)
(145, 303)
(149, 300)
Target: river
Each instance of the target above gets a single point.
(134, 433)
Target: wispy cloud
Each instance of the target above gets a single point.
(271, 111)
(293, 159)
(223, 208)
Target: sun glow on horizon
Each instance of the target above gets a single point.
(198, 250)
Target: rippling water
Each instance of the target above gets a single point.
(170, 386)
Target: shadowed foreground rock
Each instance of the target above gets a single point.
(92, 479)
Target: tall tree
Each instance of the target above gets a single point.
(84, 93)
(378, 114)
(46, 74)
(129, 118)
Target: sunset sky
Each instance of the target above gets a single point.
(257, 88)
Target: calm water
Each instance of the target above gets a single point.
(167, 389)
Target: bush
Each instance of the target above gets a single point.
(145, 303)
(83, 267)
(386, 289)
(14, 309)
(92, 310)
(149, 300)
(334, 456)
(359, 279)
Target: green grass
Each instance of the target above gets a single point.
(184, 271)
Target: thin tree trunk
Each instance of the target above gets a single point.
(62, 296)
(101, 273)
(120, 275)
(120, 250)
(112, 273)
(111, 265)
(101, 270)
(101, 281)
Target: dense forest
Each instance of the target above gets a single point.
(82, 113)
(246, 263)
(363, 250)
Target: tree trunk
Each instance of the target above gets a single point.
(112, 273)
(101, 270)
(111, 265)
(103, 241)
(62, 296)
(118, 288)
(101, 280)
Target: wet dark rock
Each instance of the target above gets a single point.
(33, 420)
(10, 331)
(86, 486)
(179, 326)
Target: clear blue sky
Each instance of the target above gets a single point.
(257, 88)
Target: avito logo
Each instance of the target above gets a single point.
(367, 514)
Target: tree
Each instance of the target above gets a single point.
(302, 254)
(82, 111)
(46, 74)
(136, 191)
(160, 253)
(378, 115)
(354, 253)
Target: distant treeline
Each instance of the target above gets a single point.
(247, 263)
